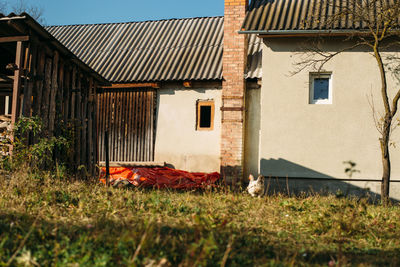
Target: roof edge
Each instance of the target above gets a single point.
(295, 32)
(127, 22)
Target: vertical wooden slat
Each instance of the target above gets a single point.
(139, 127)
(53, 93)
(99, 123)
(124, 128)
(148, 128)
(143, 125)
(46, 94)
(30, 84)
(37, 110)
(90, 126)
(73, 94)
(67, 93)
(153, 116)
(60, 92)
(84, 143)
(95, 116)
(16, 87)
(78, 112)
(129, 130)
(113, 124)
(17, 83)
(144, 122)
(108, 115)
(104, 116)
(25, 79)
(118, 127)
(72, 115)
(137, 115)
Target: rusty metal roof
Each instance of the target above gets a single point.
(308, 16)
(163, 50)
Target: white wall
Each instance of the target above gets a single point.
(177, 141)
(299, 139)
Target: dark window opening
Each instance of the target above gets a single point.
(205, 116)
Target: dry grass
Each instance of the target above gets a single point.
(51, 221)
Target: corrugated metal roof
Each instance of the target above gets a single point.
(163, 50)
(24, 24)
(310, 15)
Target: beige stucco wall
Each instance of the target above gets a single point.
(252, 134)
(299, 139)
(178, 143)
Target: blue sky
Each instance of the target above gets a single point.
(58, 12)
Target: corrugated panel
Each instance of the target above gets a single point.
(310, 15)
(165, 50)
(254, 60)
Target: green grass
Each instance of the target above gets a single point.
(48, 221)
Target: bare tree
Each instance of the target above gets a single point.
(20, 6)
(377, 27)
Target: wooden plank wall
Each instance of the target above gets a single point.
(129, 117)
(63, 96)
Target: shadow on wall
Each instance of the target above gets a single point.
(308, 181)
(255, 60)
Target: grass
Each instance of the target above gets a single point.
(50, 221)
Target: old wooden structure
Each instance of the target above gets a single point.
(40, 77)
(128, 114)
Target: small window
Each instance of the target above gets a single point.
(320, 88)
(205, 115)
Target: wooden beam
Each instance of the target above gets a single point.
(53, 93)
(16, 88)
(132, 85)
(134, 164)
(17, 82)
(11, 39)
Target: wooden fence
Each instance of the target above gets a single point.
(129, 117)
(55, 89)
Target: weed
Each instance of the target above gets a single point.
(46, 219)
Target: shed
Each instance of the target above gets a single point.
(40, 77)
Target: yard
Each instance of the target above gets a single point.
(47, 220)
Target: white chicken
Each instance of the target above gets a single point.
(256, 187)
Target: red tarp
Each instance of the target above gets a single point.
(161, 177)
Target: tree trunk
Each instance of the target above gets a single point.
(385, 186)
(386, 127)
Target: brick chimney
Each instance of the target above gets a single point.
(233, 91)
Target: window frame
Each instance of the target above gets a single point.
(316, 75)
(201, 103)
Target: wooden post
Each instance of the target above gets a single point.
(53, 93)
(16, 88)
(107, 158)
(46, 94)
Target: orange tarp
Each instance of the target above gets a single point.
(161, 177)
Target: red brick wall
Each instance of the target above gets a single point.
(233, 91)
